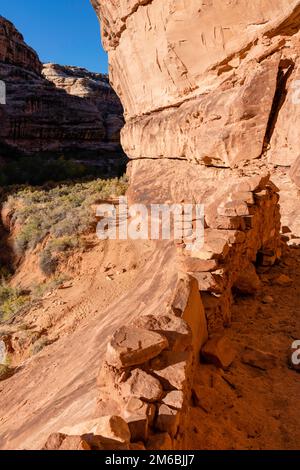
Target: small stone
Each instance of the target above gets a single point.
(142, 385)
(181, 296)
(283, 281)
(160, 441)
(174, 399)
(167, 420)
(267, 299)
(132, 346)
(248, 281)
(294, 243)
(219, 351)
(259, 359)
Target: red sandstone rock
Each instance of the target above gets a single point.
(160, 441)
(172, 369)
(177, 332)
(131, 346)
(142, 385)
(218, 350)
(259, 359)
(108, 432)
(174, 399)
(248, 281)
(54, 441)
(59, 441)
(282, 280)
(74, 443)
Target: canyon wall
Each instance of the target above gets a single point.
(202, 74)
(50, 108)
(208, 90)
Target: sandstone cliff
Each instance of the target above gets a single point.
(211, 84)
(52, 108)
(206, 88)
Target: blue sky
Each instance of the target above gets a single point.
(63, 31)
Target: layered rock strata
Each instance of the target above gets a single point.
(52, 108)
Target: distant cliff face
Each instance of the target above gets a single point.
(95, 89)
(54, 108)
(13, 49)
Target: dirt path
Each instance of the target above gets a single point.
(246, 407)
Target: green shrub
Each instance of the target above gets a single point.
(11, 301)
(48, 263)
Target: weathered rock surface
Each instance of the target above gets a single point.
(295, 172)
(54, 108)
(219, 351)
(213, 105)
(95, 89)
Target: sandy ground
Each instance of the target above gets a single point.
(245, 407)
